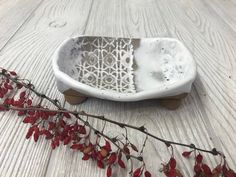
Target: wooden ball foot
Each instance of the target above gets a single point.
(172, 102)
(73, 97)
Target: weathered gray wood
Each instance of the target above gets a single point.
(29, 52)
(13, 14)
(225, 10)
(216, 82)
(206, 118)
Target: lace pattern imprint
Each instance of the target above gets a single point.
(104, 63)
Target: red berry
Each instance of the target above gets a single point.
(112, 158)
(107, 146)
(81, 147)
(22, 94)
(13, 73)
(100, 164)
(121, 163)
(67, 115)
(53, 145)
(19, 86)
(197, 168)
(199, 158)
(82, 130)
(31, 112)
(52, 113)
(217, 169)
(36, 136)
(75, 146)
(67, 140)
(94, 155)
(2, 108)
(7, 101)
(7, 86)
(186, 153)
(21, 113)
(172, 173)
(137, 172)
(109, 171)
(86, 157)
(30, 132)
(147, 174)
(126, 149)
(29, 102)
(27, 120)
(21, 101)
(206, 169)
(42, 132)
(51, 125)
(56, 141)
(172, 163)
(48, 135)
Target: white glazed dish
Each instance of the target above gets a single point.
(124, 69)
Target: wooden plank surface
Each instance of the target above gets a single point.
(13, 14)
(29, 52)
(206, 118)
(216, 82)
(225, 10)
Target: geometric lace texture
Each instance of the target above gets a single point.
(104, 63)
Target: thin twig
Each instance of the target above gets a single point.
(82, 113)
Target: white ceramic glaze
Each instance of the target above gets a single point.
(124, 69)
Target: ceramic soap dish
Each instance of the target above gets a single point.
(124, 69)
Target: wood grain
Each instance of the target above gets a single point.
(29, 52)
(13, 14)
(214, 86)
(206, 117)
(225, 10)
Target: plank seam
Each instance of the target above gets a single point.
(24, 22)
(89, 14)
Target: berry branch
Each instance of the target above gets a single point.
(120, 124)
(63, 126)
